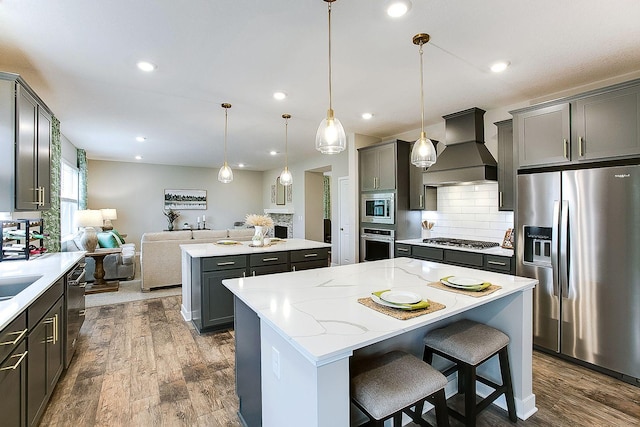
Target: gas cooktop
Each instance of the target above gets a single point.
(461, 243)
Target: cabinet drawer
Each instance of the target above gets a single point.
(310, 255)
(268, 258)
(497, 263)
(308, 265)
(428, 253)
(39, 308)
(11, 335)
(402, 250)
(224, 262)
(469, 259)
(268, 269)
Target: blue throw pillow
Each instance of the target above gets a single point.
(107, 240)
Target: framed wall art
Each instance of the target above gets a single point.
(185, 199)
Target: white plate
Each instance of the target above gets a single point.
(377, 300)
(464, 281)
(400, 297)
(227, 242)
(479, 287)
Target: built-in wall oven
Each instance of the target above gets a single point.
(376, 244)
(378, 208)
(75, 308)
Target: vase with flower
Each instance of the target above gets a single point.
(261, 224)
(171, 217)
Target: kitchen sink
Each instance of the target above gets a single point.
(13, 285)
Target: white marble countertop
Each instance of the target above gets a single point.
(318, 313)
(202, 250)
(50, 266)
(496, 250)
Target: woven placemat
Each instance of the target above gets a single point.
(228, 244)
(398, 313)
(475, 294)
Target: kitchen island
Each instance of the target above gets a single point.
(309, 324)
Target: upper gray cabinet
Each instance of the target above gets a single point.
(25, 139)
(506, 175)
(608, 124)
(378, 167)
(603, 124)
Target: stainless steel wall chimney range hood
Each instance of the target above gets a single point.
(466, 159)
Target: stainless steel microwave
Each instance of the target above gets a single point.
(378, 208)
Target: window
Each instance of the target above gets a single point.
(68, 199)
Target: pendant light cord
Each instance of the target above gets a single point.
(329, 8)
(421, 89)
(286, 142)
(226, 112)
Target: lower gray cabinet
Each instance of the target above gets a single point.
(497, 263)
(13, 369)
(309, 258)
(217, 300)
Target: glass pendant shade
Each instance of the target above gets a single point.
(330, 138)
(225, 175)
(285, 177)
(423, 153)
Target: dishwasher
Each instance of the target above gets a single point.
(74, 309)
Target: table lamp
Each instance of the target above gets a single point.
(87, 219)
(107, 216)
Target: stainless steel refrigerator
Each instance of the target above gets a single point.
(579, 235)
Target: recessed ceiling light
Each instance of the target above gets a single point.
(273, 152)
(499, 67)
(398, 8)
(138, 157)
(146, 66)
(141, 138)
(367, 116)
(240, 165)
(280, 95)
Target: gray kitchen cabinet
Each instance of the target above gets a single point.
(506, 173)
(421, 197)
(268, 263)
(607, 125)
(544, 135)
(378, 167)
(402, 250)
(25, 179)
(499, 264)
(309, 258)
(13, 352)
(45, 350)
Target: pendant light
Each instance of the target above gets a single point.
(285, 177)
(423, 154)
(225, 175)
(330, 138)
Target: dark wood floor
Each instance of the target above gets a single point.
(140, 364)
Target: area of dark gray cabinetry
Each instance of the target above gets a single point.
(497, 263)
(248, 371)
(45, 349)
(309, 258)
(402, 250)
(7, 148)
(421, 197)
(268, 263)
(33, 153)
(465, 259)
(378, 167)
(544, 135)
(13, 369)
(607, 125)
(427, 253)
(506, 175)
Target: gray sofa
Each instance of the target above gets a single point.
(120, 266)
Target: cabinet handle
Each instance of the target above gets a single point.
(37, 195)
(310, 255)
(82, 285)
(580, 147)
(82, 313)
(293, 268)
(422, 200)
(402, 249)
(19, 337)
(253, 273)
(497, 263)
(565, 148)
(41, 196)
(270, 259)
(227, 263)
(500, 198)
(21, 356)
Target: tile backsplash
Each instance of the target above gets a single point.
(469, 212)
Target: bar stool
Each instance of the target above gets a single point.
(469, 344)
(384, 387)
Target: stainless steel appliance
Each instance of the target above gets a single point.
(75, 308)
(579, 235)
(376, 244)
(460, 243)
(378, 208)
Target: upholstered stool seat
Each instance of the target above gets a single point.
(386, 386)
(469, 344)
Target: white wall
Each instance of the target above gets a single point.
(136, 190)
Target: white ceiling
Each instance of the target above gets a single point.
(80, 56)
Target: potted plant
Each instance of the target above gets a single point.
(171, 217)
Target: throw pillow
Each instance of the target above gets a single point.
(107, 240)
(118, 236)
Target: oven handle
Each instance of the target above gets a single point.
(79, 279)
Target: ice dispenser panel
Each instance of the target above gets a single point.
(537, 245)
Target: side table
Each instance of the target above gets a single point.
(101, 285)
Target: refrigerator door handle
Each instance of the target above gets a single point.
(554, 247)
(564, 249)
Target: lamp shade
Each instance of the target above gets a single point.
(88, 218)
(109, 214)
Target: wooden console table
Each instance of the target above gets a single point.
(101, 285)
